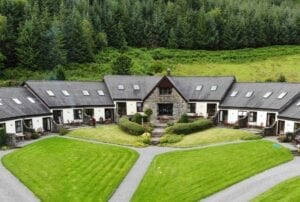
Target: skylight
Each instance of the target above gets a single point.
(198, 88)
(31, 99)
(50, 93)
(298, 104)
(249, 94)
(234, 93)
(121, 87)
(136, 87)
(213, 88)
(282, 95)
(268, 94)
(1, 102)
(66, 93)
(100, 92)
(85, 92)
(16, 100)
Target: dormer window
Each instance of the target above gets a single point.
(282, 95)
(121, 87)
(234, 93)
(136, 87)
(214, 88)
(50, 93)
(198, 88)
(66, 93)
(17, 101)
(31, 100)
(165, 91)
(268, 94)
(85, 93)
(100, 92)
(249, 94)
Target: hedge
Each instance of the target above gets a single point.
(131, 127)
(2, 137)
(187, 128)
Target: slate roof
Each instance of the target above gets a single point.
(74, 88)
(292, 111)
(9, 109)
(187, 86)
(257, 100)
(145, 83)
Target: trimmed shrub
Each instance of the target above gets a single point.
(145, 138)
(170, 138)
(35, 135)
(137, 118)
(236, 126)
(2, 137)
(187, 128)
(149, 113)
(183, 118)
(131, 127)
(63, 131)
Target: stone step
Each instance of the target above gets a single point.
(155, 140)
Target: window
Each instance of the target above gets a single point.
(234, 93)
(50, 93)
(121, 87)
(249, 94)
(298, 104)
(18, 126)
(242, 114)
(77, 114)
(16, 100)
(214, 88)
(139, 107)
(165, 91)
(198, 88)
(66, 93)
(136, 87)
(192, 108)
(1, 102)
(100, 92)
(31, 99)
(252, 116)
(268, 94)
(282, 95)
(85, 93)
(28, 123)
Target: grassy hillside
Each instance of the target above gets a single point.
(246, 64)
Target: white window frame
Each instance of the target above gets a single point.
(234, 93)
(282, 95)
(136, 87)
(65, 92)
(17, 101)
(249, 94)
(199, 88)
(214, 87)
(50, 93)
(268, 94)
(85, 92)
(31, 100)
(121, 87)
(100, 92)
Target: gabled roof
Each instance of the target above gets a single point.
(292, 111)
(188, 87)
(76, 97)
(257, 99)
(10, 110)
(145, 83)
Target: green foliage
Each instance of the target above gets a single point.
(188, 128)
(170, 139)
(137, 118)
(183, 118)
(3, 28)
(101, 40)
(148, 112)
(2, 137)
(122, 65)
(131, 127)
(281, 78)
(60, 74)
(145, 138)
(63, 131)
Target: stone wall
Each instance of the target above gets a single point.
(180, 106)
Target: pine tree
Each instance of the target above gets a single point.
(122, 65)
(172, 40)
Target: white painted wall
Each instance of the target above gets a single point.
(98, 113)
(201, 108)
(10, 126)
(131, 107)
(68, 115)
(232, 116)
(289, 126)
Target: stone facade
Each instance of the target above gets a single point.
(180, 106)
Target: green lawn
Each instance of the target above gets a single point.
(107, 133)
(287, 191)
(214, 135)
(60, 169)
(196, 174)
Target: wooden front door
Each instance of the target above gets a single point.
(281, 126)
(47, 124)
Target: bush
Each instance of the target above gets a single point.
(63, 131)
(131, 127)
(187, 128)
(283, 138)
(236, 126)
(2, 137)
(35, 135)
(137, 118)
(170, 123)
(149, 113)
(145, 138)
(183, 118)
(170, 138)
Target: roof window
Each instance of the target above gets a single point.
(16, 100)
(213, 88)
(100, 92)
(50, 93)
(234, 93)
(198, 88)
(1, 102)
(282, 95)
(249, 94)
(31, 99)
(121, 87)
(136, 87)
(268, 94)
(85, 93)
(298, 104)
(66, 93)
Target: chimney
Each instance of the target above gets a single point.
(168, 72)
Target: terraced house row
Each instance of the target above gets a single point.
(41, 104)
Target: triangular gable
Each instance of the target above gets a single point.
(167, 83)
